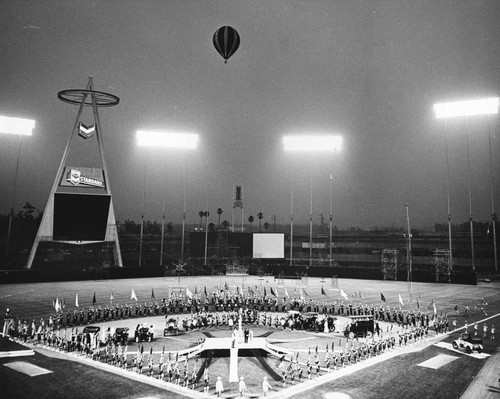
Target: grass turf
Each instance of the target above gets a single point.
(395, 378)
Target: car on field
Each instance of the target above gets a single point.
(90, 334)
(469, 343)
(360, 326)
(120, 336)
(171, 327)
(143, 333)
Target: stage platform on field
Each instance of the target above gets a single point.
(228, 343)
(10, 348)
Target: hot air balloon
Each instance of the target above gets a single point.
(226, 41)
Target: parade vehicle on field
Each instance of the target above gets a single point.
(171, 327)
(360, 326)
(314, 321)
(469, 343)
(90, 334)
(143, 333)
(120, 336)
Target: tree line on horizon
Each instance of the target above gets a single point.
(26, 221)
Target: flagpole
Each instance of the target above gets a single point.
(493, 214)
(163, 213)
(310, 215)
(206, 229)
(142, 213)
(184, 210)
(291, 220)
(408, 249)
(331, 216)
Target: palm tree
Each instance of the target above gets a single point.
(250, 220)
(260, 216)
(219, 212)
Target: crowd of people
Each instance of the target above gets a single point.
(222, 310)
(172, 369)
(216, 309)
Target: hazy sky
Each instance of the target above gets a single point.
(368, 70)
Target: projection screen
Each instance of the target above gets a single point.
(267, 246)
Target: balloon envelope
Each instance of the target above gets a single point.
(226, 41)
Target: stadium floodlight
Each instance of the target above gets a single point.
(313, 143)
(20, 126)
(174, 140)
(482, 106)
(167, 139)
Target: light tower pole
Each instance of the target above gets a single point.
(21, 127)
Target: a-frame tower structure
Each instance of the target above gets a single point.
(80, 207)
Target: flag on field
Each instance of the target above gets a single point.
(132, 295)
(382, 297)
(250, 291)
(189, 294)
(401, 300)
(226, 286)
(206, 294)
(323, 291)
(94, 300)
(343, 294)
(305, 292)
(430, 305)
(265, 291)
(280, 360)
(418, 305)
(286, 293)
(361, 295)
(434, 307)
(142, 349)
(354, 294)
(195, 290)
(273, 292)
(111, 297)
(56, 305)
(76, 301)
(316, 350)
(152, 294)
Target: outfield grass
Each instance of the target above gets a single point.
(399, 377)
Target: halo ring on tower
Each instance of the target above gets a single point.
(77, 96)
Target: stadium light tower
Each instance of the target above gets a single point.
(484, 106)
(21, 127)
(169, 140)
(312, 144)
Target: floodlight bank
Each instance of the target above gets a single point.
(167, 139)
(21, 126)
(467, 108)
